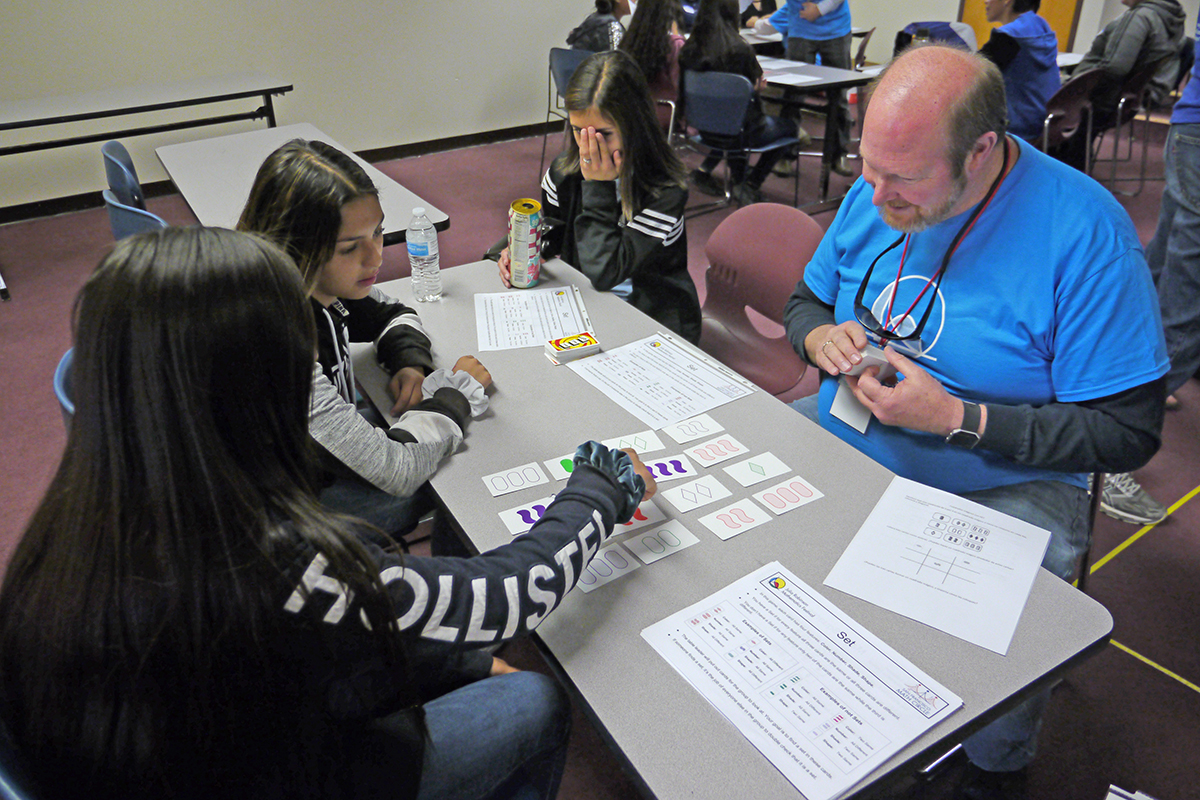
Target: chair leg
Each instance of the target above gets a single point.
(1097, 486)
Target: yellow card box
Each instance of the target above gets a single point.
(569, 348)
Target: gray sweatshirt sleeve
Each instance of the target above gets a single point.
(397, 461)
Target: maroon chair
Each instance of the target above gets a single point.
(1069, 114)
(756, 256)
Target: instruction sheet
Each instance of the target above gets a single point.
(661, 381)
(529, 317)
(821, 697)
(944, 561)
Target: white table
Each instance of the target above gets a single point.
(215, 176)
(677, 745)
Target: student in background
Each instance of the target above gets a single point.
(1025, 48)
(716, 46)
(225, 635)
(620, 191)
(759, 9)
(602, 30)
(813, 30)
(320, 206)
(653, 41)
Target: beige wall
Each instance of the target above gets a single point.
(370, 74)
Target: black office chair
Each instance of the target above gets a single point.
(1135, 101)
(715, 104)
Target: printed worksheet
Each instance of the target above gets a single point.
(822, 698)
(528, 317)
(944, 561)
(661, 380)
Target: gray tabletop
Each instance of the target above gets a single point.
(679, 746)
(215, 175)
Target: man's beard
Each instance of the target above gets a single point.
(924, 220)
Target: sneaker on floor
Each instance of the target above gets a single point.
(747, 195)
(785, 169)
(1124, 498)
(706, 183)
(841, 165)
(1172, 403)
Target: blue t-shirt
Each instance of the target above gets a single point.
(1048, 298)
(832, 25)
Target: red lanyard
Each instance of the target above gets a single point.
(962, 233)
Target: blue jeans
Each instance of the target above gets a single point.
(503, 738)
(1174, 253)
(833, 53)
(1010, 742)
(393, 515)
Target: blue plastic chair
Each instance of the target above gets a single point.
(121, 175)
(62, 386)
(715, 104)
(563, 63)
(127, 220)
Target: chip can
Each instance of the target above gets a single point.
(525, 242)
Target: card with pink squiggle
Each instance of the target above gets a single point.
(734, 519)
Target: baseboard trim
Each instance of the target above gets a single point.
(80, 202)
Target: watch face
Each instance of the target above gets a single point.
(963, 438)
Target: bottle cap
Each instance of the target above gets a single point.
(419, 211)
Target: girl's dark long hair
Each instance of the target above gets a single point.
(714, 36)
(297, 198)
(647, 40)
(143, 641)
(613, 84)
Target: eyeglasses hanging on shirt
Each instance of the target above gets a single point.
(889, 329)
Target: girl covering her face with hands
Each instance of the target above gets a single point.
(182, 619)
(620, 192)
(319, 205)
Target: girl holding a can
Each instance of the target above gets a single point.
(619, 191)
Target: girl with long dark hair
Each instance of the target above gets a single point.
(716, 46)
(620, 191)
(183, 619)
(322, 208)
(653, 41)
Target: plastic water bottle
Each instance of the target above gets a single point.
(423, 257)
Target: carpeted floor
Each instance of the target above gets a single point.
(1127, 717)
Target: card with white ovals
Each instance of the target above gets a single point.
(792, 493)
(697, 493)
(714, 451)
(757, 469)
(736, 518)
(670, 468)
(694, 428)
(522, 518)
(665, 540)
(644, 442)
(515, 479)
(611, 562)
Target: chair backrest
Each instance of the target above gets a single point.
(121, 175)
(716, 102)
(62, 386)
(860, 58)
(762, 250)
(563, 63)
(1066, 107)
(127, 220)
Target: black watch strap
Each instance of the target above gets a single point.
(967, 435)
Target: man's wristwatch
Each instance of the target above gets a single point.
(968, 434)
